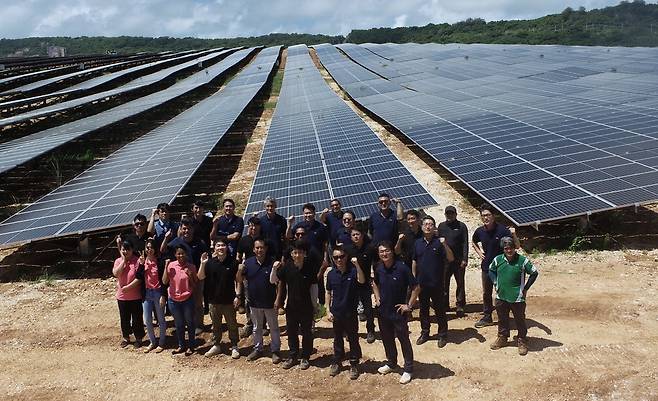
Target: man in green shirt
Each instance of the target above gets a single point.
(508, 272)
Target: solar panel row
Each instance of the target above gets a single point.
(534, 165)
(317, 148)
(135, 84)
(21, 150)
(150, 170)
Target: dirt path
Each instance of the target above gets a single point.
(592, 318)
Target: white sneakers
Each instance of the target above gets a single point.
(235, 354)
(212, 351)
(405, 378)
(384, 370)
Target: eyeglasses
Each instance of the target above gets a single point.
(338, 257)
(334, 205)
(384, 201)
(347, 219)
(139, 223)
(299, 234)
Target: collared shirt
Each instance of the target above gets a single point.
(161, 228)
(131, 271)
(430, 265)
(334, 224)
(383, 228)
(219, 284)
(298, 282)
(344, 288)
(274, 231)
(511, 277)
(456, 235)
(366, 255)
(202, 228)
(393, 283)
(180, 285)
(262, 293)
(316, 233)
(193, 249)
(139, 243)
(408, 243)
(227, 226)
(344, 236)
(490, 240)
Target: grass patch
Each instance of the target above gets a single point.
(277, 81)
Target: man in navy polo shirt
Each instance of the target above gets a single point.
(343, 284)
(428, 266)
(257, 270)
(407, 238)
(344, 235)
(486, 243)
(392, 280)
(456, 234)
(273, 227)
(383, 225)
(228, 227)
(359, 247)
(333, 218)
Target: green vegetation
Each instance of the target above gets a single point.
(627, 24)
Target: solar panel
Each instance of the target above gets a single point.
(149, 170)
(135, 84)
(545, 155)
(317, 148)
(21, 150)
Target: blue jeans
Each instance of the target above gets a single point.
(183, 313)
(152, 302)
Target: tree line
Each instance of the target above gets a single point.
(626, 24)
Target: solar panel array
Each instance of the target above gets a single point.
(21, 150)
(318, 148)
(135, 84)
(150, 170)
(543, 133)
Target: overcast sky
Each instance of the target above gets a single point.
(231, 18)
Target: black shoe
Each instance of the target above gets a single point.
(442, 342)
(485, 321)
(276, 357)
(289, 363)
(304, 364)
(266, 332)
(354, 372)
(255, 354)
(370, 337)
(362, 317)
(460, 312)
(334, 370)
(422, 339)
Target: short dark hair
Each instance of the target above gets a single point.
(412, 212)
(180, 246)
(386, 244)
(163, 206)
(229, 200)
(428, 217)
(351, 213)
(127, 244)
(309, 206)
(153, 244)
(335, 200)
(254, 220)
(338, 248)
(384, 195)
(486, 206)
(260, 239)
(300, 245)
(139, 217)
(199, 203)
(187, 222)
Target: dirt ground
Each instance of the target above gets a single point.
(592, 316)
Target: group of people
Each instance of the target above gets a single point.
(280, 266)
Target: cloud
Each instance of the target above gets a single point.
(230, 18)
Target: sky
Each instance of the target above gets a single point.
(232, 18)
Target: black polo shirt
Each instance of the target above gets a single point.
(139, 243)
(202, 228)
(408, 243)
(246, 246)
(344, 288)
(430, 262)
(490, 240)
(227, 226)
(316, 233)
(334, 224)
(262, 293)
(456, 235)
(383, 228)
(298, 282)
(273, 230)
(366, 255)
(343, 236)
(219, 285)
(393, 284)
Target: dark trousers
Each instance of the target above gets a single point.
(487, 293)
(130, 314)
(321, 290)
(347, 326)
(299, 321)
(455, 269)
(433, 296)
(365, 296)
(389, 330)
(518, 309)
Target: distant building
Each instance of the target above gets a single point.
(56, 51)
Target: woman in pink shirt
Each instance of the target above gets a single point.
(129, 294)
(154, 295)
(181, 277)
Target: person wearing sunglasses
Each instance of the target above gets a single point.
(344, 235)
(137, 236)
(332, 217)
(383, 224)
(343, 287)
